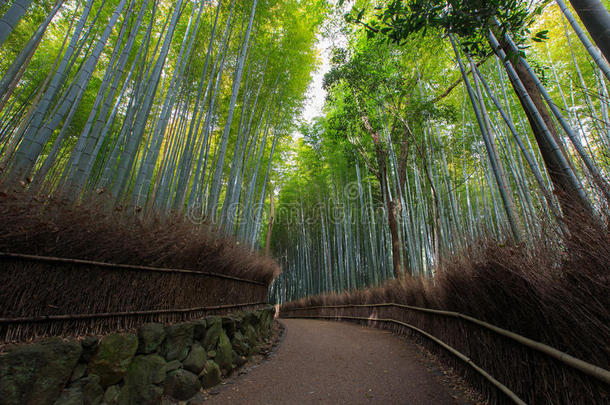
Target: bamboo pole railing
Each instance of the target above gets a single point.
(68, 317)
(49, 259)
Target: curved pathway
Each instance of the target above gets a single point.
(323, 362)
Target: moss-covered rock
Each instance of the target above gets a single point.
(181, 384)
(238, 360)
(249, 319)
(212, 335)
(210, 375)
(111, 396)
(200, 328)
(79, 371)
(240, 317)
(113, 357)
(173, 365)
(70, 396)
(93, 393)
(143, 381)
(240, 344)
(196, 359)
(36, 374)
(178, 341)
(251, 335)
(224, 352)
(229, 324)
(150, 337)
(89, 345)
(264, 321)
(86, 391)
(267, 316)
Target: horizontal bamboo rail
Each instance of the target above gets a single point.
(6, 255)
(503, 388)
(580, 365)
(45, 318)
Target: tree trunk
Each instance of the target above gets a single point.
(191, 144)
(270, 224)
(402, 179)
(129, 153)
(147, 168)
(17, 68)
(382, 176)
(30, 146)
(567, 187)
(478, 106)
(596, 19)
(596, 55)
(383, 180)
(217, 179)
(526, 153)
(13, 15)
(566, 193)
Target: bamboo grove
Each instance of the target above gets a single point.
(161, 106)
(446, 124)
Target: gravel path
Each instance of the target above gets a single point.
(321, 362)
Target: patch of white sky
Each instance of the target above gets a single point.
(316, 93)
(330, 37)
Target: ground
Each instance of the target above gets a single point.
(322, 362)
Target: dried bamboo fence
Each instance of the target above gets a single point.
(507, 367)
(48, 296)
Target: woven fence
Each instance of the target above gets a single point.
(46, 296)
(506, 367)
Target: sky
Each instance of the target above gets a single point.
(316, 94)
(333, 36)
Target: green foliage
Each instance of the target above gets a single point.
(396, 20)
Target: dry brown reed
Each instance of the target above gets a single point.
(90, 231)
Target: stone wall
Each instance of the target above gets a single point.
(127, 368)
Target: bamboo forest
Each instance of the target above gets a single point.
(439, 169)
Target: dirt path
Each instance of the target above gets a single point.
(321, 362)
